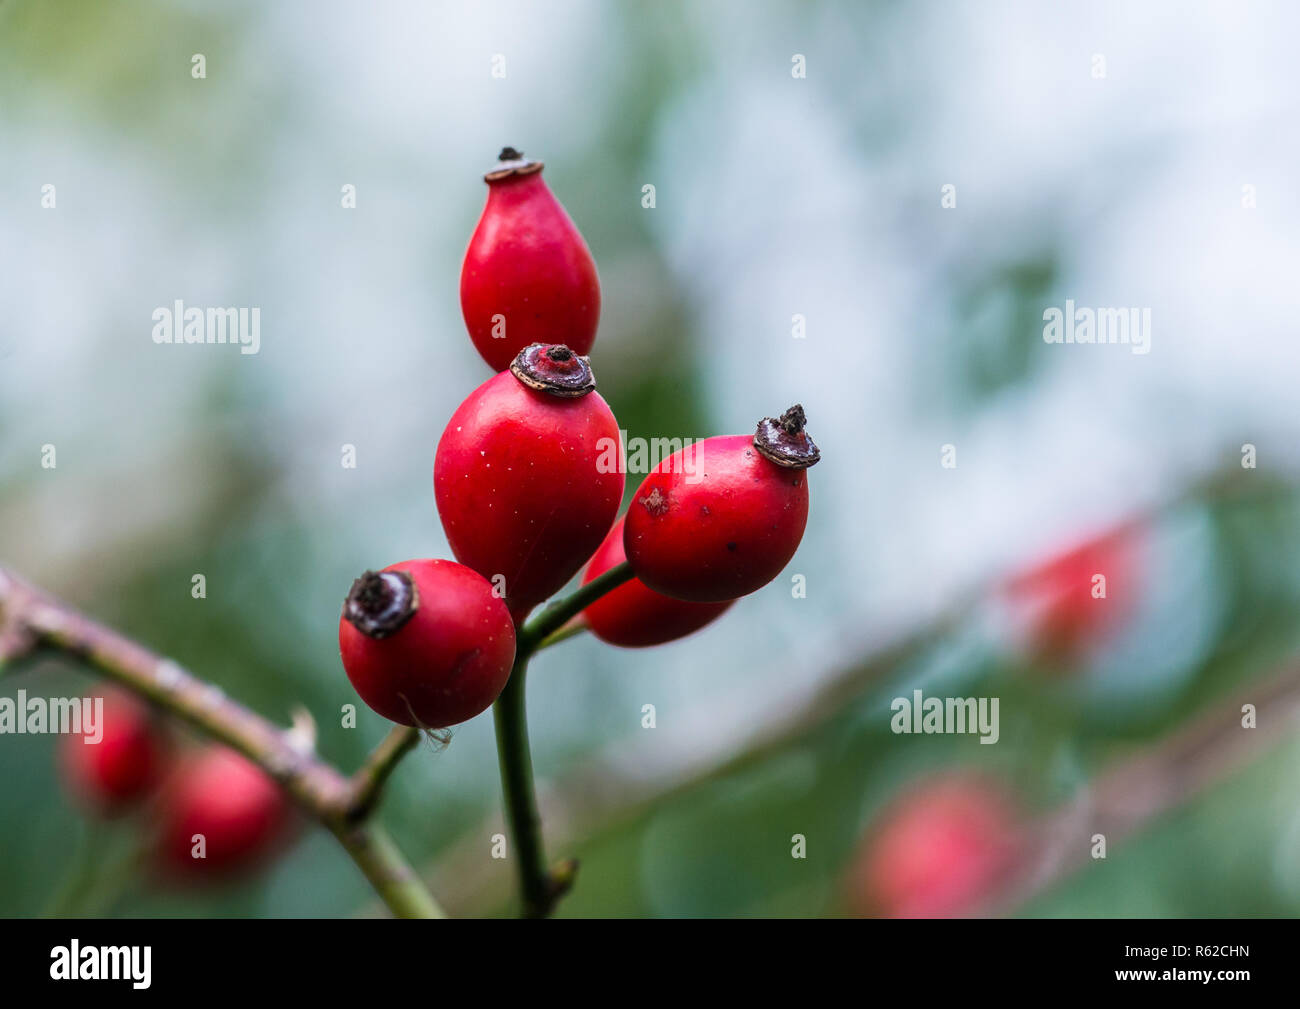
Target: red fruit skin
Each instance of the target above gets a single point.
(125, 766)
(447, 663)
(526, 261)
(633, 616)
(241, 813)
(722, 533)
(1060, 618)
(527, 485)
(938, 852)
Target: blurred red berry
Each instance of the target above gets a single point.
(938, 852)
(1077, 599)
(229, 804)
(120, 761)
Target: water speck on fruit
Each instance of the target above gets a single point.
(656, 503)
(704, 510)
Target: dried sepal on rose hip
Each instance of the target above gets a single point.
(219, 814)
(634, 616)
(426, 643)
(721, 518)
(528, 477)
(121, 761)
(528, 276)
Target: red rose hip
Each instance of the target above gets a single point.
(633, 616)
(528, 475)
(528, 276)
(721, 518)
(426, 643)
(120, 761)
(938, 852)
(1073, 602)
(220, 813)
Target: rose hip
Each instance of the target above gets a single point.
(1059, 603)
(521, 478)
(127, 763)
(229, 804)
(528, 276)
(633, 616)
(721, 518)
(938, 852)
(426, 642)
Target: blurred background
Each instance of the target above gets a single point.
(1160, 177)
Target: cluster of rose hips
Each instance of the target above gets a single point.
(525, 502)
(209, 802)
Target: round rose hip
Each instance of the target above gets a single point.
(426, 643)
(528, 475)
(633, 616)
(528, 276)
(222, 807)
(721, 518)
(118, 762)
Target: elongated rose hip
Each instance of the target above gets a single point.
(721, 518)
(521, 477)
(528, 276)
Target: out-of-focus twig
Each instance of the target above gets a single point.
(30, 617)
(1140, 788)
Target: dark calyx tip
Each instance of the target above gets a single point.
(784, 441)
(380, 602)
(511, 162)
(554, 369)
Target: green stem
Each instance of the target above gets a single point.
(399, 885)
(539, 887)
(522, 817)
(560, 612)
(569, 630)
(369, 781)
